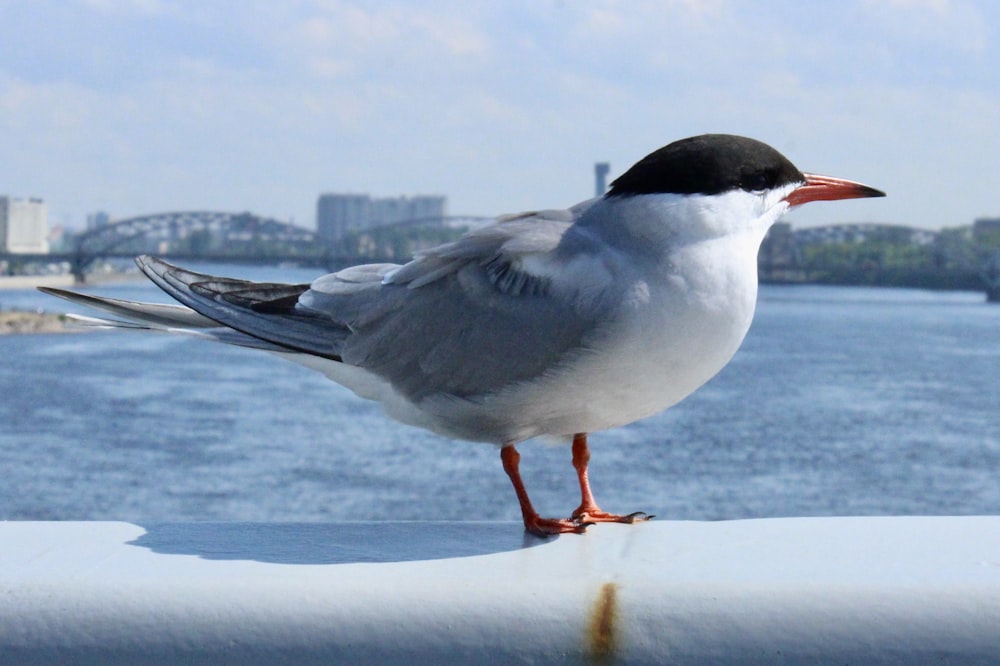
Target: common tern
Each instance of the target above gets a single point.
(550, 323)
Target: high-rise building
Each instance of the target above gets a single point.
(339, 214)
(427, 207)
(24, 226)
(601, 170)
(98, 220)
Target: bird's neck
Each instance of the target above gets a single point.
(656, 226)
(719, 272)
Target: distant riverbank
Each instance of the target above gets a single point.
(65, 280)
(27, 320)
(32, 281)
(13, 322)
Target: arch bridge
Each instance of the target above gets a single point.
(204, 234)
(221, 236)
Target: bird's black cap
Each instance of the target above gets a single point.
(707, 164)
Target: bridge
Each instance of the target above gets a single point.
(218, 236)
(248, 238)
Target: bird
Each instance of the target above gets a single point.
(551, 323)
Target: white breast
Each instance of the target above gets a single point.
(682, 326)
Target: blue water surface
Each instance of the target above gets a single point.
(842, 401)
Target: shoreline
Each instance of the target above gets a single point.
(66, 280)
(26, 322)
(17, 321)
(31, 281)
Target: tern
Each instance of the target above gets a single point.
(553, 323)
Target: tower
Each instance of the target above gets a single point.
(601, 170)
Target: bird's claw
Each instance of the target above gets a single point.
(579, 522)
(546, 527)
(596, 515)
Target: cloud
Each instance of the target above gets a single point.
(129, 7)
(947, 24)
(342, 40)
(139, 106)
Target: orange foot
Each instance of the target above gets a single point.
(545, 527)
(593, 514)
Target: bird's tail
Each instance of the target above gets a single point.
(135, 315)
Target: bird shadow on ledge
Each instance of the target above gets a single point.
(335, 543)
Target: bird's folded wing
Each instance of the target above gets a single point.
(500, 246)
(499, 306)
(231, 303)
(468, 318)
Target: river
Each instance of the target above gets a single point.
(842, 401)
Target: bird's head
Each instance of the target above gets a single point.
(721, 184)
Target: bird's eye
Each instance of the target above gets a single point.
(757, 181)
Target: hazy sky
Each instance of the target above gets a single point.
(141, 106)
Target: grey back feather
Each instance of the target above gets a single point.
(444, 323)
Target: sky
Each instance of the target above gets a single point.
(145, 106)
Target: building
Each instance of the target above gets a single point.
(601, 170)
(339, 214)
(24, 226)
(862, 232)
(423, 208)
(58, 239)
(336, 214)
(98, 220)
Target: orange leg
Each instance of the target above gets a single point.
(585, 515)
(588, 511)
(532, 521)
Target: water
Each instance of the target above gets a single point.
(842, 402)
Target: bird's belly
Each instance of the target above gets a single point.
(631, 371)
(644, 374)
(642, 363)
(631, 374)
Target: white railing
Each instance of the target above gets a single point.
(810, 590)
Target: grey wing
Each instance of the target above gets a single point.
(461, 336)
(262, 310)
(470, 317)
(467, 318)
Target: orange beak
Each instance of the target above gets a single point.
(825, 188)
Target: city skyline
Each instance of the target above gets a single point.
(437, 205)
(138, 106)
(97, 218)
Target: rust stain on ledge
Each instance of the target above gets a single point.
(601, 638)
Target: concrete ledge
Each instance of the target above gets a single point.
(809, 590)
